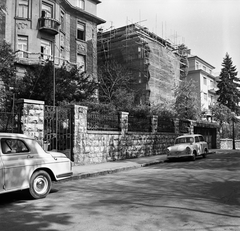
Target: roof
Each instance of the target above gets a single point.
(201, 60)
(14, 135)
(86, 14)
(187, 135)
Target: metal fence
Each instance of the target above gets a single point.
(184, 126)
(58, 128)
(97, 121)
(10, 122)
(139, 123)
(165, 125)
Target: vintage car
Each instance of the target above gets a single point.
(25, 165)
(190, 146)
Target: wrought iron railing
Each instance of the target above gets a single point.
(10, 122)
(49, 24)
(165, 125)
(184, 126)
(58, 127)
(139, 123)
(97, 121)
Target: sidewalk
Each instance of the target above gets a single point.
(84, 171)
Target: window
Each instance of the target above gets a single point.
(23, 8)
(80, 31)
(22, 44)
(197, 65)
(13, 146)
(201, 139)
(46, 49)
(204, 80)
(62, 21)
(196, 139)
(211, 84)
(205, 96)
(81, 61)
(47, 10)
(81, 4)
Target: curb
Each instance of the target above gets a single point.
(111, 171)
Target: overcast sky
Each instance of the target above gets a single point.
(210, 28)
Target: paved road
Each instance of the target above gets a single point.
(182, 195)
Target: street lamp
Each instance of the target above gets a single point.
(233, 132)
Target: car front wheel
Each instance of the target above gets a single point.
(40, 184)
(205, 153)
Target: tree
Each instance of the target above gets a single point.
(187, 105)
(7, 74)
(228, 93)
(115, 83)
(71, 85)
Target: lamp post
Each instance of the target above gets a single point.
(54, 74)
(233, 132)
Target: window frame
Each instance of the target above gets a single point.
(23, 8)
(83, 69)
(46, 56)
(81, 4)
(48, 4)
(62, 21)
(23, 38)
(82, 36)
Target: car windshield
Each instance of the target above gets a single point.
(184, 140)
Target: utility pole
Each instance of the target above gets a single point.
(54, 74)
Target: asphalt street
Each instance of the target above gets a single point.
(180, 195)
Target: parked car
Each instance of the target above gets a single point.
(189, 146)
(25, 165)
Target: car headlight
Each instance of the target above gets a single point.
(188, 150)
(167, 151)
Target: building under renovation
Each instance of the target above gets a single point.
(154, 61)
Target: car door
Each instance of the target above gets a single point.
(17, 163)
(1, 174)
(202, 143)
(198, 145)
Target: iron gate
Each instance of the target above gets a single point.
(58, 129)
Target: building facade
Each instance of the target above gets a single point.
(59, 30)
(201, 73)
(153, 61)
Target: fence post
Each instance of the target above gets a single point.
(154, 123)
(123, 122)
(32, 118)
(176, 126)
(79, 133)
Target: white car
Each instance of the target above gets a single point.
(188, 146)
(25, 165)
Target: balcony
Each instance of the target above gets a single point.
(48, 25)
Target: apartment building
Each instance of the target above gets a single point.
(154, 61)
(201, 72)
(59, 30)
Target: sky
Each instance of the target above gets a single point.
(210, 28)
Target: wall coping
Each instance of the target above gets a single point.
(30, 101)
(103, 132)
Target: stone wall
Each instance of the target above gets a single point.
(102, 146)
(228, 144)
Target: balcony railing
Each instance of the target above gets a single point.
(48, 25)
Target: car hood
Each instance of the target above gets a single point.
(57, 154)
(178, 147)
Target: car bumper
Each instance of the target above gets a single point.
(181, 155)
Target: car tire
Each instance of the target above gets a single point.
(204, 155)
(193, 158)
(40, 184)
